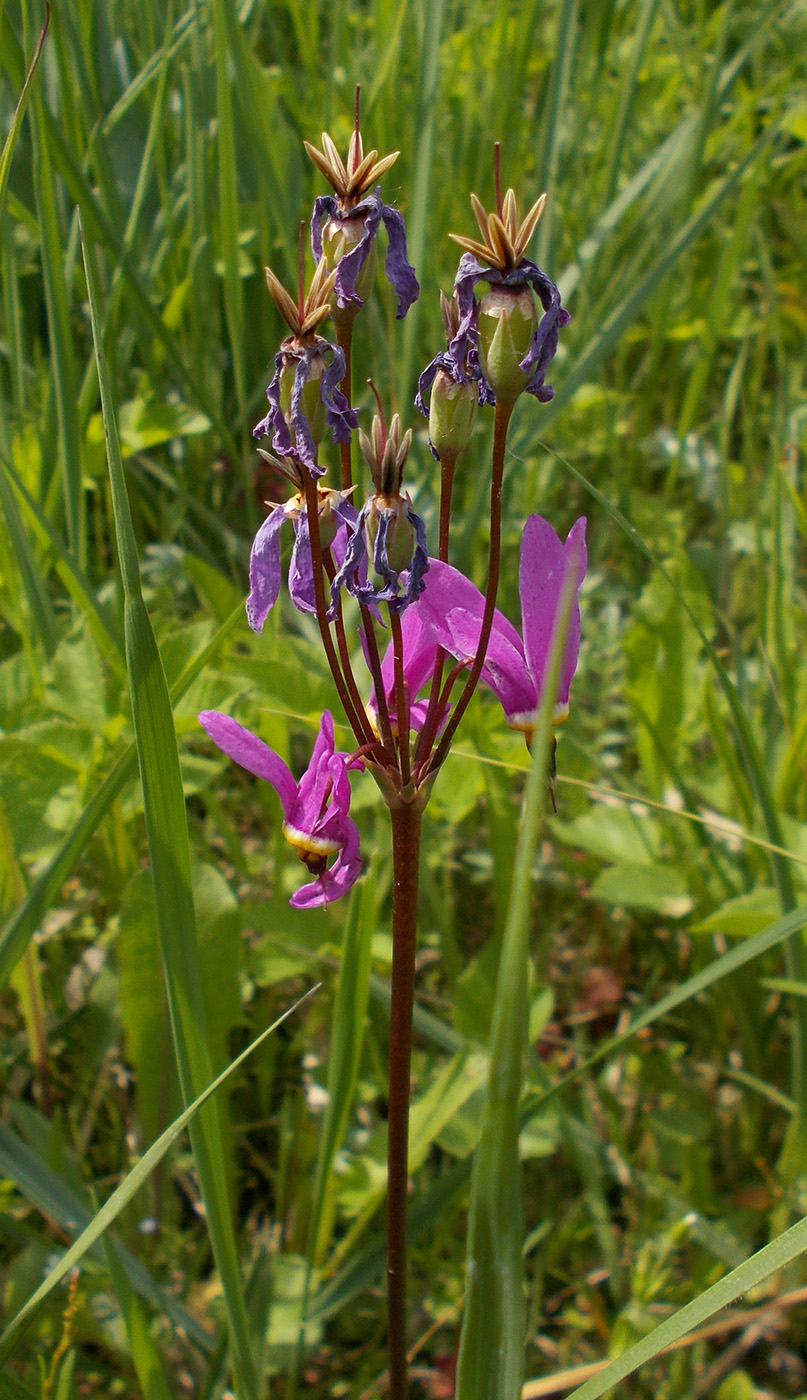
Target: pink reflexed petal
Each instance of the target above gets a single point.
(420, 654)
(331, 826)
(544, 561)
(253, 754)
(453, 607)
(312, 792)
(341, 877)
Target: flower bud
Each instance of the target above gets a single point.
(506, 322)
(452, 414)
(312, 405)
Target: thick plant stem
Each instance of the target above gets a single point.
(500, 426)
(406, 820)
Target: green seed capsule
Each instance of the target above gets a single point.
(506, 322)
(341, 236)
(312, 406)
(452, 414)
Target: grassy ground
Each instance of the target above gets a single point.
(672, 138)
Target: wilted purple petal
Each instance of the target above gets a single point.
(545, 338)
(325, 207)
(301, 568)
(343, 419)
(253, 754)
(264, 569)
(400, 273)
(275, 422)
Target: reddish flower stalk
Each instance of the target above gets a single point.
(501, 423)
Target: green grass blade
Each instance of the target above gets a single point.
(616, 139)
(21, 925)
(776, 1255)
(145, 1356)
(167, 833)
(346, 1040)
(80, 590)
(552, 124)
(744, 953)
(33, 583)
(757, 773)
(418, 215)
(227, 54)
(491, 1354)
(626, 311)
(19, 111)
(130, 1186)
(63, 370)
(46, 1190)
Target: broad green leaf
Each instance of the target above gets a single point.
(661, 888)
(747, 914)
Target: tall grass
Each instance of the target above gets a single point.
(666, 1067)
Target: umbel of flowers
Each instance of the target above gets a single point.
(444, 635)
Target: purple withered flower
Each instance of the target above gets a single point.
(390, 538)
(344, 225)
(315, 810)
(304, 394)
(451, 610)
(515, 349)
(335, 515)
(456, 385)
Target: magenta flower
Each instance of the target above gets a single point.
(315, 810)
(449, 614)
(420, 655)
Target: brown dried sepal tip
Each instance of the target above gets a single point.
(450, 312)
(385, 453)
(304, 319)
(504, 238)
(350, 181)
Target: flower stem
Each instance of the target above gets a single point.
(374, 666)
(344, 339)
(447, 465)
(500, 425)
(312, 511)
(406, 821)
(429, 730)
(344, 655)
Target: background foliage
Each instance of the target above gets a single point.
(672, 137)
